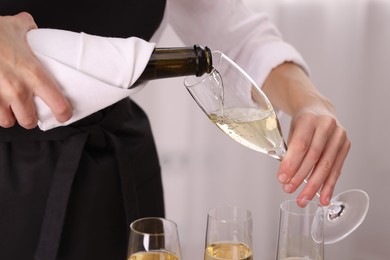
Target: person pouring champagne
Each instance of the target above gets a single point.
(101, 170)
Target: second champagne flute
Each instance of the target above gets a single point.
(153, 239)
(301, 232)
(229, 234)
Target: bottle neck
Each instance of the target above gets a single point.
(204, 60)
(177, 62)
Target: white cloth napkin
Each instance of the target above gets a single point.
(93, 71)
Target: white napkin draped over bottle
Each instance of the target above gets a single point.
(93, 71)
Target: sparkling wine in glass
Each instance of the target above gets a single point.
(153, 239)
(229, 234)
(233, 102)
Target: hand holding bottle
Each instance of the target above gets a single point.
(92, 77)
(22, 77)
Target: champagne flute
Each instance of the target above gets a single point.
(229, 234)
(153, 239)
(301, 232)
(233, 102)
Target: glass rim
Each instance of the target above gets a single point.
(248, 215)
(162, 220)
(319, 209)
(206, 75)
(201, 79)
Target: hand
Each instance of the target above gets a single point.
(22, 77)
(317, 144)
(317, 148)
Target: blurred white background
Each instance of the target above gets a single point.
(347, 45)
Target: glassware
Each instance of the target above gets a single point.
(153, 239)
(233, 102)
(301, 232)
(229, 234)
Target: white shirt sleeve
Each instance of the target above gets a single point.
(248, 38)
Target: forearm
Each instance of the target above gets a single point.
(290, 90)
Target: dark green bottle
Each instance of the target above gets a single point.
(177, 62)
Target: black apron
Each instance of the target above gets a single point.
(71, 192)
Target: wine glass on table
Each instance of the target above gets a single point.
(233, 102)
(153, 238)
(229, 234)
(301, 232)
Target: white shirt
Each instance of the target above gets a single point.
(249, 38)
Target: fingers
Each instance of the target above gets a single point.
(318, 147)
(26, 20)
(41, 82)
(17, 91)
(330, 182)
(297, 148)
(307, 141)
(16, 103)
(7, 119)
(22, 77)
(24, 113)
(46, 88)
(326, 172)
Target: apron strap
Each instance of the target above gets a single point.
(59, 193)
